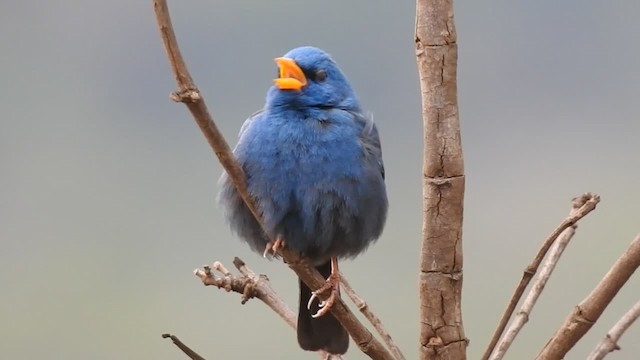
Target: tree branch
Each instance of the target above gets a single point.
(190, 95)
(610, 342)
(185, 349)
(541, 280)
(267, 294)
(251, 285)
(373, 319)
(589, 310)
(588, 203)
(441, 331)
(367, 343)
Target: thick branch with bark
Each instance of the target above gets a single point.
(585, 314)
(441, 331)
(189, 94)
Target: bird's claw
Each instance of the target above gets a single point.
(333, 284)
(273, 247)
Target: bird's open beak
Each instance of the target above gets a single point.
(291, 76)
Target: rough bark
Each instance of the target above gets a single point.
(441, 331)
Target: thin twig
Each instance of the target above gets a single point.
(610, 342)
(270, 297)
(543, 276)
(251, 285)
(589, 202)
(367, 343)
(189, 95)
(185, 349)
(364, 308)
(589, 310)
(263, 291)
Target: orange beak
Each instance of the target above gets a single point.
(291, 76)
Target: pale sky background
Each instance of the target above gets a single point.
(107, 188)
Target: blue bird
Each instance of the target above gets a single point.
(314, 167)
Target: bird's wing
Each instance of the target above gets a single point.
(371, 140)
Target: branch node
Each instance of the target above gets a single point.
(249, 292)
(589, 310)
(186, 96)
(207, 270)
(435, 341)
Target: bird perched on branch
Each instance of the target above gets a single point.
(313, 164)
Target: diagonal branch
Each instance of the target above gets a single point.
(185, 349)
(589, 310)
(589, 202)
(189, 94)
(367, 343)
(610, 342)
(373, 319)
(548, 266)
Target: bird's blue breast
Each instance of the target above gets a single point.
(313, 179)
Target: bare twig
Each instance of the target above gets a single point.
(263, 291)
(250, 285)
(185, 349)
(589, 310)
(610, 342)
(189, 94)
(550, 263)
(362, 305)
(441, 331)
(359, 333)
(589, 202)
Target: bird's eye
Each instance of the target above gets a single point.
(320, 75)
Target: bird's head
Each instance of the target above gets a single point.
(308, 77)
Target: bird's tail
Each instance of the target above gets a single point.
(322, 333)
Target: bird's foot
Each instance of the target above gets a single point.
(333, 285)
(273, 247)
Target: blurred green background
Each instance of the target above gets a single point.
(107, 188)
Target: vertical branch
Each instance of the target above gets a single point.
(441, 333)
